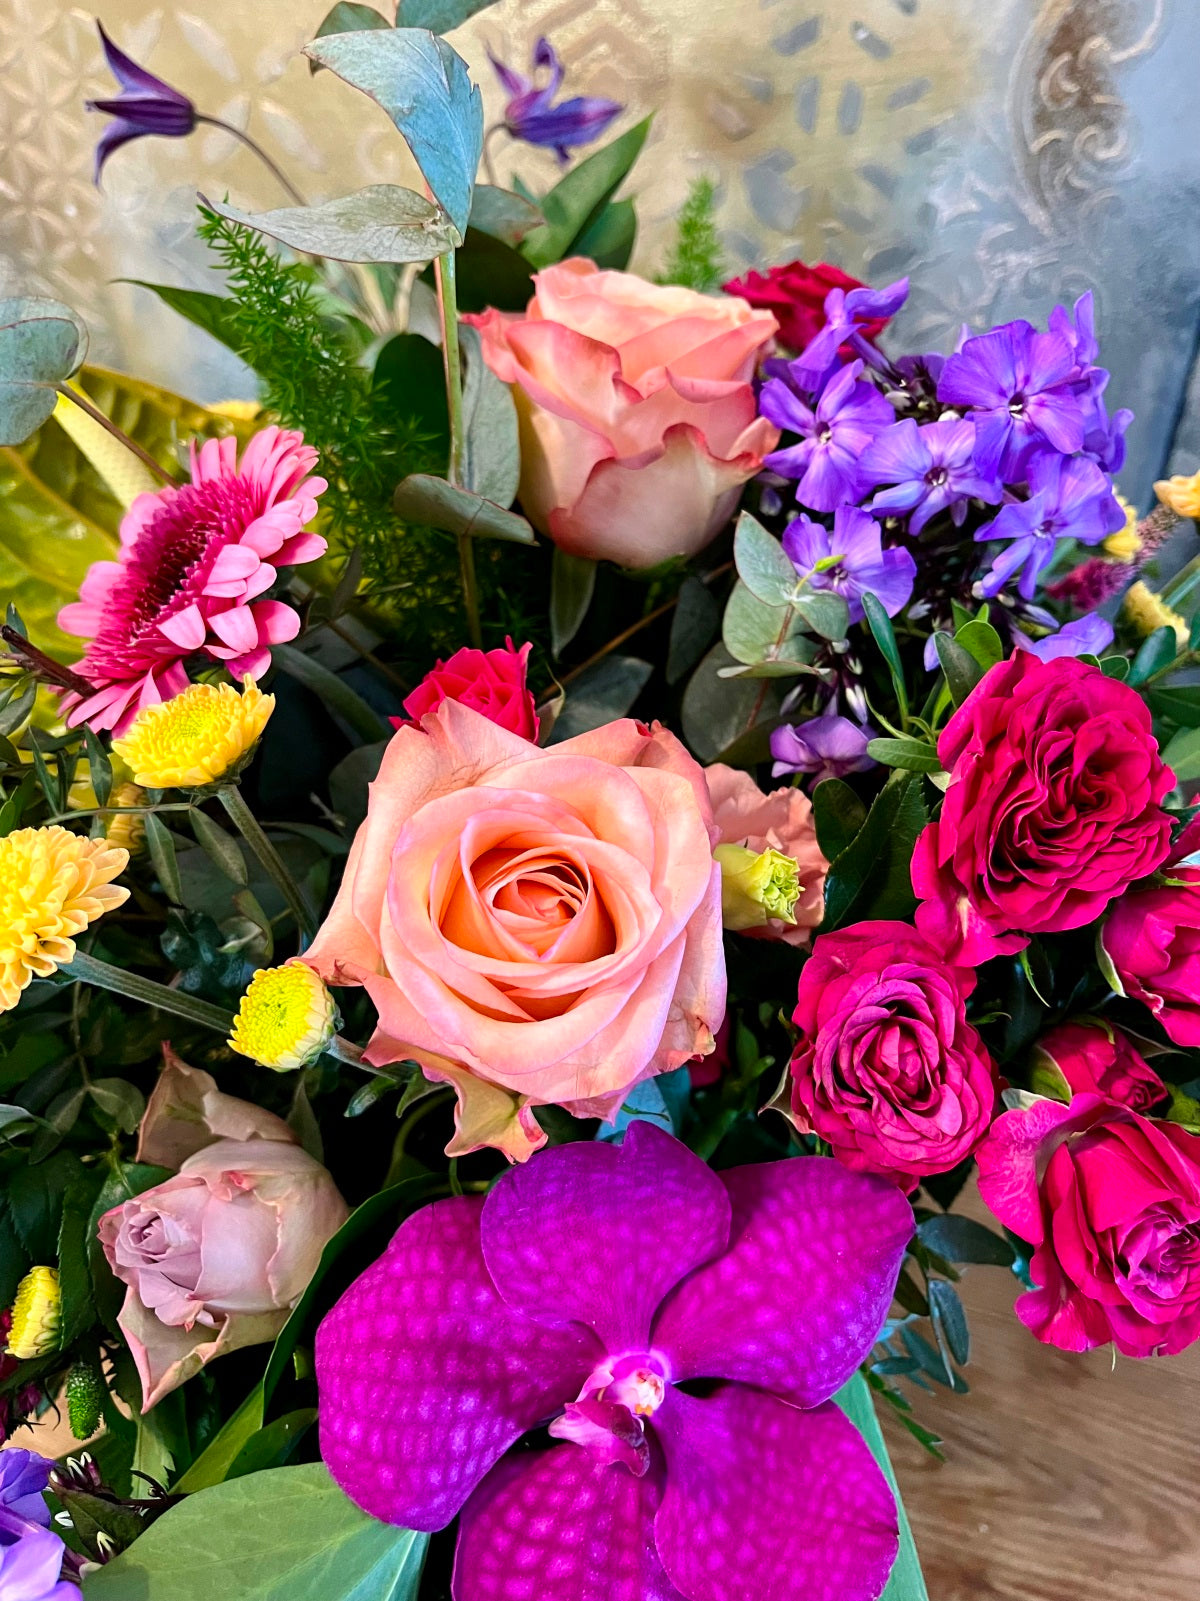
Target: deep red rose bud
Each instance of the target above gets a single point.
(1095, 1058)
(888, 1071)
(796, 294)
(491, 682)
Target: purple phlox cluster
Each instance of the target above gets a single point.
(145, 106)
(1103, 437)
(835, 425)
(631, 1298)
(1083, 636)
(829, 746)
(532, 116)
(31, 1554)
(847, 312)
(1069, 497)
(929, 467)
(849, 559)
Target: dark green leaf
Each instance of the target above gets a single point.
(1179, 704)
(931, 1361)
(693, 628)
(961, 1239)
(1156, 652)
(490, 273)
(99, 766)
(274, 1445)
(914, 755)
(120, 1100)
(333, 691)
(219, 847)
(74, 1275)
(382, 222)
(576, 200)
(601, 693)
(425, 498)
(347, 17)
(213, 1464)
(962, 670)
(838, 814)
(160, 842)
(215, 314)
(35, 1201)
(502, 214)
(880, 625)
(1115, 667)
(872, 876)
(949, 1319)
(410, 368)
(1182, 755)
(609, 238)
(572, 583)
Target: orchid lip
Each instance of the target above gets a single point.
(638, 1380)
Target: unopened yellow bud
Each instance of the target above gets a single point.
(286, 1018)
(1145, 611)
(756, 886)
(1126, 544)
(36, 1315)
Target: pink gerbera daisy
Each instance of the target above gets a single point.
(193, 560)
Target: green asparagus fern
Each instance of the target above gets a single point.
(695, 261)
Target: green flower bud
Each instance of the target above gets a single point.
(756, 886)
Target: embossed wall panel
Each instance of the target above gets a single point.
(1003, 153)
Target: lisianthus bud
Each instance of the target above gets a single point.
(286, 1018)
(36, 1315)
(199, 737)
(756, 886)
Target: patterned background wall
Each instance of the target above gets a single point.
(1004, 153)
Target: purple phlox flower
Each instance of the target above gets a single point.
(828, 746)
(1083, 636)
(1079, 331)
(850, 559)
(1017, 383)
(846, 312)
(930, 659)
(23, 1477)
(145, 105)
(918, 375)
(1069, 497)
(31, 1554)
(584, 1291)
(530, 115)
(931, 468)
(833, 434)
(1104, 436)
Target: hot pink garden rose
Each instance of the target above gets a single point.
(781, 821)
(887, 1070)
(638, 418)
(1152, 939)
(532, 926)
(1095, 1058)
(491, 681)
(1111, 1201)
(216, 1257)
(1052, 810)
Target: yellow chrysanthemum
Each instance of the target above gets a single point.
(286, 1018)
(36, 1315)
(1181, 494)
(52, 885)
(756, 886)
(202, 735)
(1145, 611)
(1126, 544)
(126, 829)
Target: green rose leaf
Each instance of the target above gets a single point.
(381, 223)
(42, 342)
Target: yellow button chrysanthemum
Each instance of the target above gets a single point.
(1181, 494)
(36, 1315)
(197, 738)
(126, 829)
(286, 1018)
(1145, 611)
(1126, 544)
(52, 885)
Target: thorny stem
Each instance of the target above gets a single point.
(97, 416)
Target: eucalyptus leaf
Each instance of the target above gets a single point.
(502, 214)
(825, 613)
(492, 457)
(572, 584)
(754, 631)
(694, 626)
(381, 223)
(425, 498)
(719, 713)
(42, 342)
(423, 86)
(600, 694)
(761, 563)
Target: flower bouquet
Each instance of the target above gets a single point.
(537, 859)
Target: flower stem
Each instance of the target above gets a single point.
(90, 970)
(448, 306)
(97, 416)
(272, 166)
(248, 827)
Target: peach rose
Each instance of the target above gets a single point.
(533, 926)
(781, 821)
(638, 418)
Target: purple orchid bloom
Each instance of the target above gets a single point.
(1083, 636)
(1017, 382)
(31, 1554)
(847, 311)
(833, 434)
(850, 559)
(584, 1291)
(829, 747)
(931, 469)
(145, 106)
(530, 115)
(1069, 498)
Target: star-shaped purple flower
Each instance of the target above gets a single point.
(828, 746)
(1069, 498)
(850, 559)
(31, 1554)
(931, 469)
(1017, 383)
(833, 434)
(585, 1291)
(145, 106)
(847, 311)
(531, 115)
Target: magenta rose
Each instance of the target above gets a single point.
(1093, 1058)
(492, 682)
(888, 1071)
(1052, 809)
(1152, 939)
(216, 1257)
(1111, 1202)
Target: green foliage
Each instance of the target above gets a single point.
(696, 260)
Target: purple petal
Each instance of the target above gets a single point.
(131, 76)
(1083, 636)
(805, 543)
(514, 82)
(825, 485)
(764, 1500)
(898, 454)
(1049, 360)
(546, 56)
(426, 1377)
(571, 122)
(992, 435)
(600, 1233)
(897, 500)
(984, 372)
(555, 1523)
(891, 581)
(799, 1298)
(779, 403)
(23, 1477)
(856, 537)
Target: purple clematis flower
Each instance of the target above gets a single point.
(585, 1290)
(829, 747)
(31, 1554)
(930, 468)
(850, 560)
(833, 434)
(1083, 636)
(145, 106)
(1018, 384)
(1069, 498)
(530, 115)
(846, 312)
